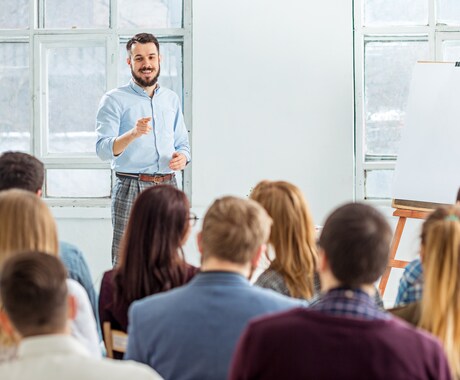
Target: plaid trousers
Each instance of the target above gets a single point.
(124, 193)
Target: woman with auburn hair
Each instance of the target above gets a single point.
(26, 224)
(292, 270)
(151, 257)
(439, 309)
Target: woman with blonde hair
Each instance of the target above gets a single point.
(439, 309)
(292, 269)
(26, 224)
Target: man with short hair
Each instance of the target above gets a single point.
(141, 129)
(343, 335)
(36, 304)
(190, 332)
(22, 171)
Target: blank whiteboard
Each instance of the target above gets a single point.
(428, 165)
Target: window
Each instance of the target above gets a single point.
(390, 37)
(57, 59)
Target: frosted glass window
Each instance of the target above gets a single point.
(170, 67)
(448, 12)
(76, 83)
(15, 102)
(387, 75)
(14, 14)
(451, 51)
(395, 12)
(79, 14)
(378, 183)
(78, 183)
(150, 13)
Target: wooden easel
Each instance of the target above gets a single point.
(403, 214)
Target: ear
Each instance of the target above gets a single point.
(260, 251)
(323, 263)
(72, 307)
(199, 239)
(6, 324)
(128, 60)
(39, 192)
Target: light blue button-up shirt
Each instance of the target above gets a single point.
(119, 111)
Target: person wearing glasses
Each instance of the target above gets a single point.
(140, 129)
(151, 255)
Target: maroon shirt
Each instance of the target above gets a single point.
(307, 344)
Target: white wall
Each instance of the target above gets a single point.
(272, 98)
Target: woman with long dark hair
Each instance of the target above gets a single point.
(151, 257)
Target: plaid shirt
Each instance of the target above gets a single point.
(351, 303)
(411, 284)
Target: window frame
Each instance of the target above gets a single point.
(39, 39)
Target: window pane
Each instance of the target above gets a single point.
(171, 67)
(150, 13)
(76, 14)
(78, 183)
(396, 12)
(378, 184)
(76, 83)
(14, 97)
(14, 14)
(448, 12)
(387, 75)
(451, 50)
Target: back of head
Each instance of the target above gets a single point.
(441, 270)
(458, 196)
(233, 230)
(33, 292)
(21, 171)
(26, 223)
(356, 241)
(292, 234)
(149, 253)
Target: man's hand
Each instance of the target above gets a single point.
(142, 127)
(178, 161)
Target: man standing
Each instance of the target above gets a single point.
(190, 332)
(343, 335)
(141, 129)
(36, 304)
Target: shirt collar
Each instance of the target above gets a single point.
(138, 89)
(55, 344)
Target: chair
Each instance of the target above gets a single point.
(115, 340)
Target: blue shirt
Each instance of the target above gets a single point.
(411, 284)
(118, 113)
(352, 303)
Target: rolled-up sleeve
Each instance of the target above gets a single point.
(107, 127)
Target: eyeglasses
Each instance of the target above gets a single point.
(193, 219)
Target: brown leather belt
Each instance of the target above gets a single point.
(157, 178)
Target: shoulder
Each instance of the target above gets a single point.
(272, 279)
(273, 298)
(123, 369)
(410, 313)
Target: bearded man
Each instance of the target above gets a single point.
(140, 128)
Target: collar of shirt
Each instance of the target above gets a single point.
(140, 90)
(347, 302)
(50, 344)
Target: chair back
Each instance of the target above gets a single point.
(115, 340)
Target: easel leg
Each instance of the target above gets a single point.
(393, 249)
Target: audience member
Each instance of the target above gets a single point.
(343, 335)
(151, 258)
(411, 283)
(36, 304)
(190, 332)
(439, 309)
(26, 223)
(22, 171)
(292, 269)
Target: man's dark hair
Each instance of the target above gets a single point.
(33, 292)
(21, 171)
(458, 195)
(142, 38)
(356, 240)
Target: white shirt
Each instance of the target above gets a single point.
(58, 357)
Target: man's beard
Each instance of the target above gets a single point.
(142, 82)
